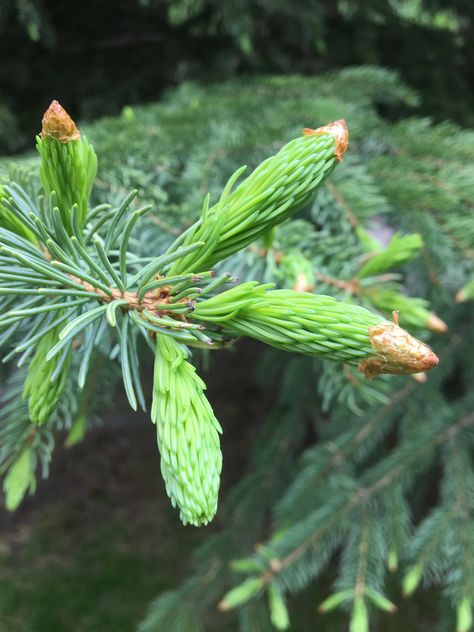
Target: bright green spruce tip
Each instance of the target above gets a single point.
(68, 164)
(187, 433)
(19, 479)
(46, 380)
(311, 324)
(281, 185)
(400, 250)
(9, 221)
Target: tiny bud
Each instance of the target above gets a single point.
(278, 611)
(434, 323)
(464, 616)
(339, 130)
(460, 296)
(275, 565)
(392, 554)
(58, 124)
(241, 593)
(359, 617)
(335, 600)
(380, 601)
(412, 580)
(302, 284)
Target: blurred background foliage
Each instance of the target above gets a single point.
(411, 175)
(98, 57)
(104, 551)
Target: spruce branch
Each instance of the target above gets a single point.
(311, 533)
(74, 277)
(279, 186)
(322, 461)
(385, 178)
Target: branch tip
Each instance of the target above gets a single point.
(58, 124)
(339, 130)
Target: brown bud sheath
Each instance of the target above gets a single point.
(396, 352)
(339, 130)
(58, 124)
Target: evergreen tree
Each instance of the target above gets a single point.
(89, 284)
(164, 42)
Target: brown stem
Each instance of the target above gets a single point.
(362, 564)
(337, 195)
(152, 301)
(350, 286)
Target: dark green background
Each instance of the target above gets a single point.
(96, 57)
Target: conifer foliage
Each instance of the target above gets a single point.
(81, 294)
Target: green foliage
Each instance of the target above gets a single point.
(46, 381)
(277, 188)
(188, 434)
(20, 477)
(340, 467)
(162, 42)
(299, 321)
(9, 221)
(400, 250)
(82, 267)
(68, 169)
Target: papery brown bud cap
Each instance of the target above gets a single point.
(396, 352)
(339, 130)
(58, 124)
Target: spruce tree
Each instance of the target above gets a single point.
(384, 245)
